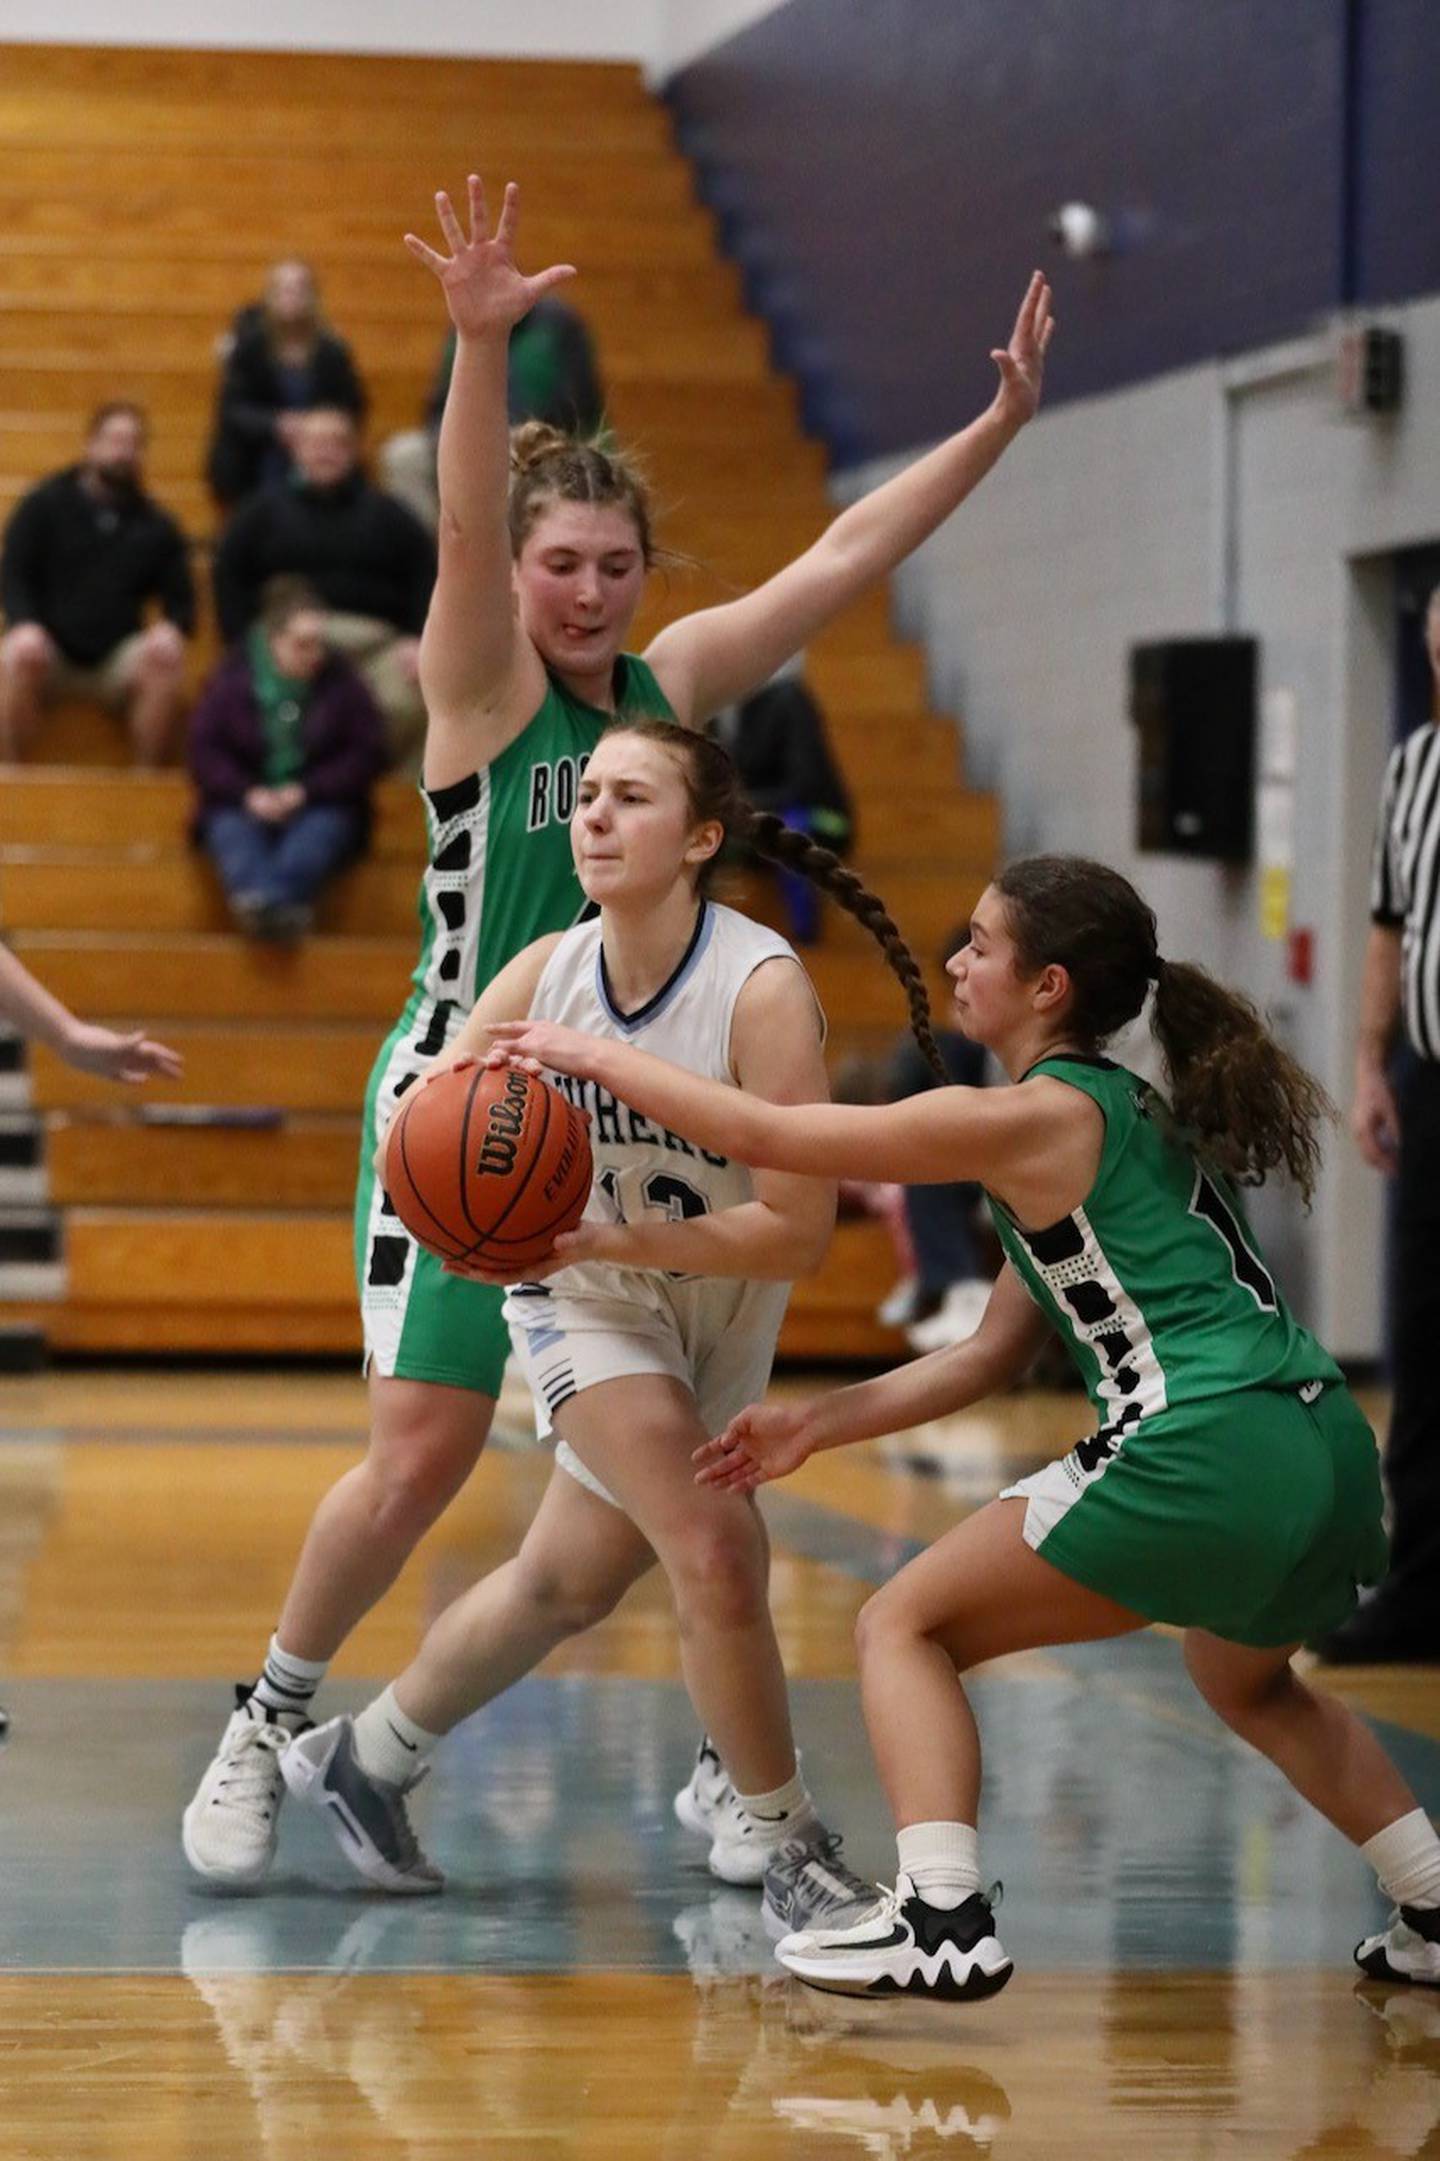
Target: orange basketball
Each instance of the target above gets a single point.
(488, 1163)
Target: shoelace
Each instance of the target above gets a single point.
(825, 1850)
(249, 1782)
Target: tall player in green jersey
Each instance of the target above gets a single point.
(1232, 1486)
(544, 545)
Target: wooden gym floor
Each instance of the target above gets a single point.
(1181, 1925)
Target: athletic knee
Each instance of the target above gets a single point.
(881, 1622)
(718, 1577)
(412, 1486)
(564, 1600)
(1246, 1700)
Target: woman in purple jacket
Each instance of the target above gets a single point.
(285, 745)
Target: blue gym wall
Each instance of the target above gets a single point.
(885, 171)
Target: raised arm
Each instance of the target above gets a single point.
(716, 656)
(480, 677)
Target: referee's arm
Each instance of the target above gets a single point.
(1374, 1115)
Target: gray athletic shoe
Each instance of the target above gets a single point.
(809, 1885)
(367, 1815)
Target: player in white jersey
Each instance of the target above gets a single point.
(544, 548)
(591, 1322)
(655, 1320)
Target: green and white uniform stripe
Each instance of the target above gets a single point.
(1232, 1483)
(499, 876)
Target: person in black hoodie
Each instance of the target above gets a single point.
(285, 746)
(85, 553)
(282, 361)
(780, 744)
(370, 560)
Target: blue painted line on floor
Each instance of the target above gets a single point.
(1150, 1660)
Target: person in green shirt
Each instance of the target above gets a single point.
(285, 746)
(544, 548)
(1231, 1487)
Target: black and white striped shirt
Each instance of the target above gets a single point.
(1405, 885)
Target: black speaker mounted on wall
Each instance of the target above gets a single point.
(1193, 701)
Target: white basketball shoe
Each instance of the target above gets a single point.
(230, 1829)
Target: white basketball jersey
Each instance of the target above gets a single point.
(641, 1169)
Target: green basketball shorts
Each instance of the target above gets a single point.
(1254, 1515)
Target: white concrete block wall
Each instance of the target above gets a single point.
(660, 35)
(1104, 528)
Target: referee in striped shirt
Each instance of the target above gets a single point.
(1399, 1131)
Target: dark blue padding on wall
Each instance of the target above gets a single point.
(885, 171)
(1397, 223)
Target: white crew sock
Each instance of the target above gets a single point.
(391, 1746)
(942, 1861)
(287, 1683)
(783, 1813)
(1406, 1858)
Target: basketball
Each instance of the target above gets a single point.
(488, 1163)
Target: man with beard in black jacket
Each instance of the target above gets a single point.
(86, 552)
(370, 560)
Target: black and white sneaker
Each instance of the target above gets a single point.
(230, 1828)
(808, 1884)
(1408, 1950)
(367, 1815)
(903, 1947)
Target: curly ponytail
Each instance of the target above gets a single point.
(1236, 1092)
(716, 794)
(1253, 1107)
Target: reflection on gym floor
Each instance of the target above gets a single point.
(1181, 1924)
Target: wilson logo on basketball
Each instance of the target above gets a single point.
(503, 1127)
(560, 1177)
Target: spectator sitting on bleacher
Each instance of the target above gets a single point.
(281, 362)
(371, 562)
(551, 375)
(944, 1246)
(781, 748)
(84, 554)
(285, 747)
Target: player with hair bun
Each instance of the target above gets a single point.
(652, 1326)
(1232, 1487)
(544, 547)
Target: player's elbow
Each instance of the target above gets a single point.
(800, 1244)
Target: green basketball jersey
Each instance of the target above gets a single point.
(1155, 1284)
(500, 873)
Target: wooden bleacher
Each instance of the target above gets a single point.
(134, 228)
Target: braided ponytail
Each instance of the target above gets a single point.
(716, 794)
(769, 836)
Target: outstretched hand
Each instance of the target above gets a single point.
(133, 1057)
(769, 1440)
(484, 290)
(1022, 361)
(541, 1043)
